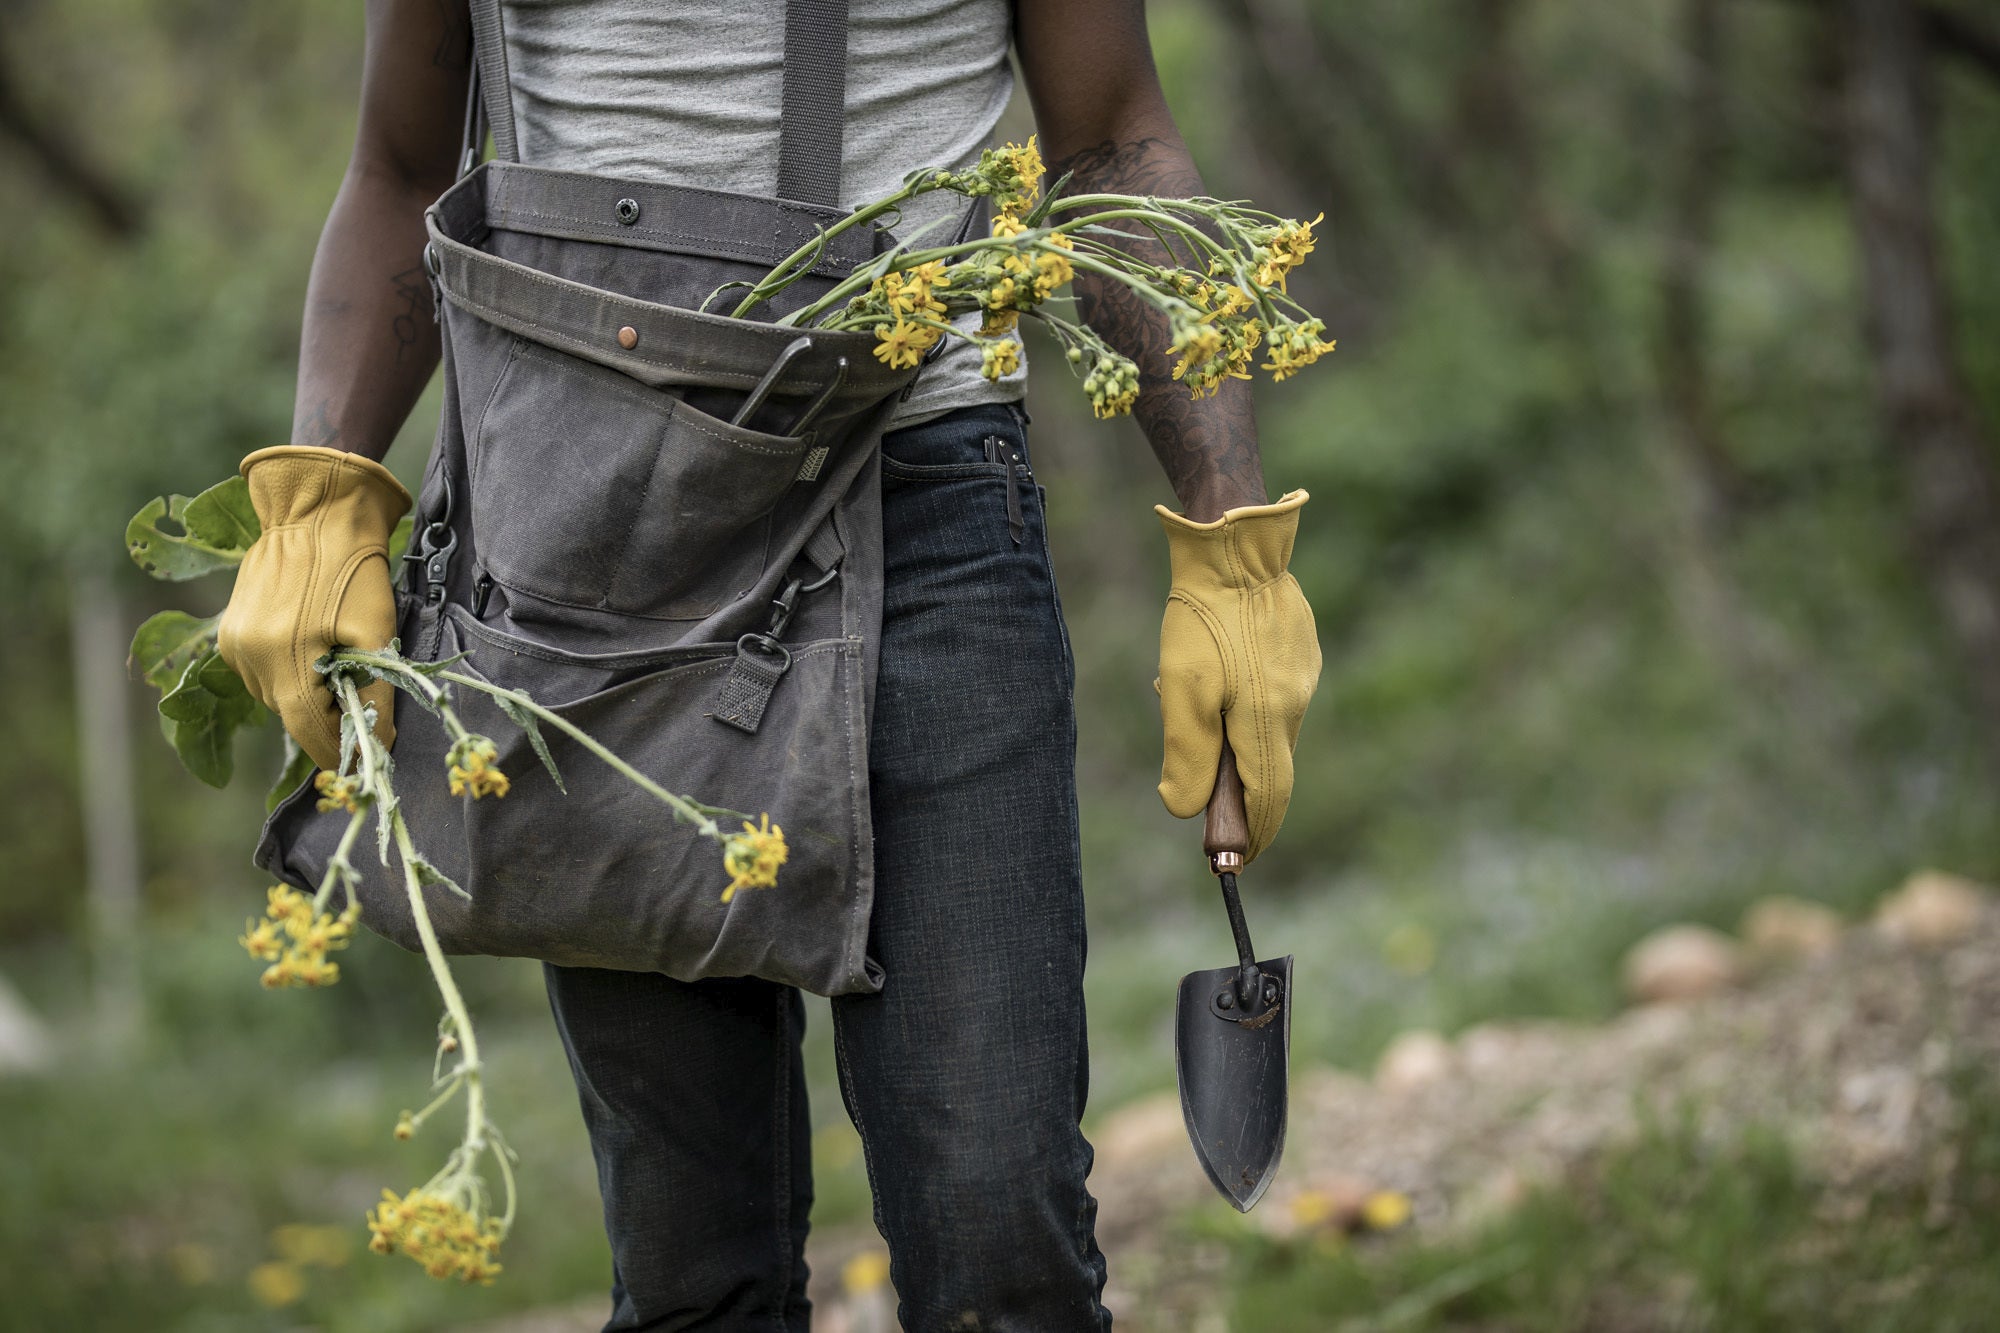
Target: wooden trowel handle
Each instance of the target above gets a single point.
(1226, 835)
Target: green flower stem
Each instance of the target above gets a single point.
(454, 1002)
(457, 1080)
(338, 866)
(847, 287)
(357, 712)
(682, 807)
(1187, 230)
(1027, 240)
(468, 1073)
(770, 285)
(437, 695)
(501, 1154)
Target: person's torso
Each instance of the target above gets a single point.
(689, 94)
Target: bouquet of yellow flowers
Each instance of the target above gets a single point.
(1225, 303)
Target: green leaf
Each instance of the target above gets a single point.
(206, 708)
(525, 720)
(1049, 197)
(167, 642)
(430, 874)
(386, 801)
(217, 527)
(297, 772)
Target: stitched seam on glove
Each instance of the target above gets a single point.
(1210, 621)
(342, 581)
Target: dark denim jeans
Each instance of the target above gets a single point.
(966, 1076)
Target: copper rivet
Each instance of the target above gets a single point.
(628, 337)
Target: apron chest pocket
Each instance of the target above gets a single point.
(591, 490)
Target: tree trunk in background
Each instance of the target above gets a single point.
(1682, 346)
(98, 638)
(1702, 484)
(1953, 494)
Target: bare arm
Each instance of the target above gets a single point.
(1099, 110)
(369, 344)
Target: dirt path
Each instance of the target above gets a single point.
(1850, 1051)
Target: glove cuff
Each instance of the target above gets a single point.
(1247, 546)
(289, 481)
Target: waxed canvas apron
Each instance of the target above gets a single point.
(701, 595)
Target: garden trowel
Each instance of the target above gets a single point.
(1233, 1029)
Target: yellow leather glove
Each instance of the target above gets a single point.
(318, 576)
(1238, 656)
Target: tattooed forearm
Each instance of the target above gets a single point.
(314, 425)
(414, 293)
(1207, 447)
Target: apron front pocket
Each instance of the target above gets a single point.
(592, 490)
(603, 875)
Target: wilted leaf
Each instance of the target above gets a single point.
(217, 527)
(167, 642)
(525, 720)
(430, 874)
(205, 710)
(297, 772)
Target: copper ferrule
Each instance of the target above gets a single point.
(1225, 863)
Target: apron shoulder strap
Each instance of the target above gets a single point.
(813, 117)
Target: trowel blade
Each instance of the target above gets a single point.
(1234, 1067)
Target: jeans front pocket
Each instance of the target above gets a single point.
(592, 490)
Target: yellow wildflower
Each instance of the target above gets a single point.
(439, 1234)
(900, 346)
(472, 768)
(313, 970)
(1006, 225)
(285, 903)
(1000, 296)
(999, 358)
(1385, 1210)
(323, 933)
(865, 1272)
(909, 294)
(1113, 386)
(276, 1285)
(932, 274)
(262, 940)
(1296, 346)
(1285, 248)
(1313, 1208)
(337, 792)
(753, 856)
(1051, 272)
(311, 1246)
(997, 322)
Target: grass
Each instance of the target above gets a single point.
(1676, 1231)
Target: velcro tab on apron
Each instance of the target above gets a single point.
(761, 662)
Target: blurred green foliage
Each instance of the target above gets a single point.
(1558, 707)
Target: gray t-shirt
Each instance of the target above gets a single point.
(689, 94)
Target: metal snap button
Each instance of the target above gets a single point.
(628, 211)
(628, 337)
